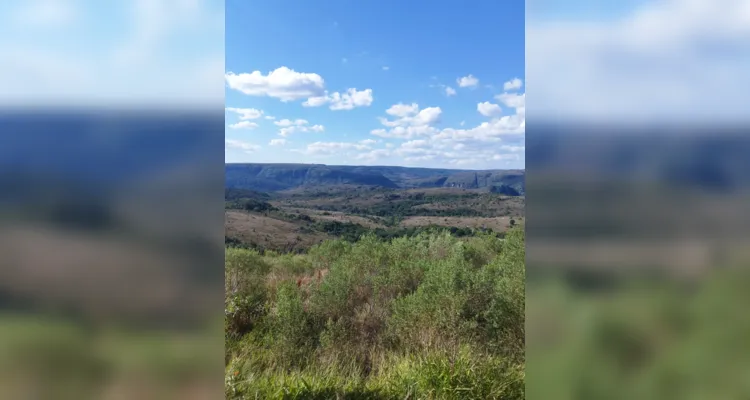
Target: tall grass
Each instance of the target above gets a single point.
(429, 317)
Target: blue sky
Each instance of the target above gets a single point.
(376, 82)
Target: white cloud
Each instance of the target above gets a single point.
(278, 142)
(282, 83)
(499, 157)
(402, 110)
(244, 125)
(462, 149)
(351, 99)
(410, 121)
(316, 101)
(648, 63)
(449, 91)
(386, 68)
(328, 148)
(513, 84)
(299, 125)
(513, 149)
(270, 117)
(246, 113)
(512, 100)
(501, 139)
(490, 131)
(373, 155)
(415, 144)
(427, 116)
(488, 109)
(348, 100)
(467, 81)
(288, 122)
(240, 145)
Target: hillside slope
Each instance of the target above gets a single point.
(277, 177)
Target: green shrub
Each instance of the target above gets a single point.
(245, 290)
(292, 334)
(389, 319)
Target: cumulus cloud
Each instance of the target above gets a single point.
(246, 147)
(373, 155)
(410, 121)
(316, 101)
(461, 149)
(299, 125)
(278, 142)
(243, 125)
(282, 83)
(513, 84)
(467, 81)
(328, 148)
(489, 109)
(449, 91)
(246, 113)
(288, 122)
(647, 64)
(348, 100)
(496, 143)
(402, 110)
(512, 100)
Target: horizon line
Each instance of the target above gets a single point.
(374, 166)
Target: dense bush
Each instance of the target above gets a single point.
(354, 232)
(426, 316)
(250, 205)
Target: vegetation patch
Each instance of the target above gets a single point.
(429, 316)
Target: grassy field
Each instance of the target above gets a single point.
(430, 316)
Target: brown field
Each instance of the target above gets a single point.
(320, 215)
(287, 228)
(330, 201)
(269, 232)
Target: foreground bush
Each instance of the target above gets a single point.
(431, 316)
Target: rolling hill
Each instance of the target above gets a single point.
(278, 177)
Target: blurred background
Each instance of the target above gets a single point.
(111, 177)
(638, 199)
(111, 199)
